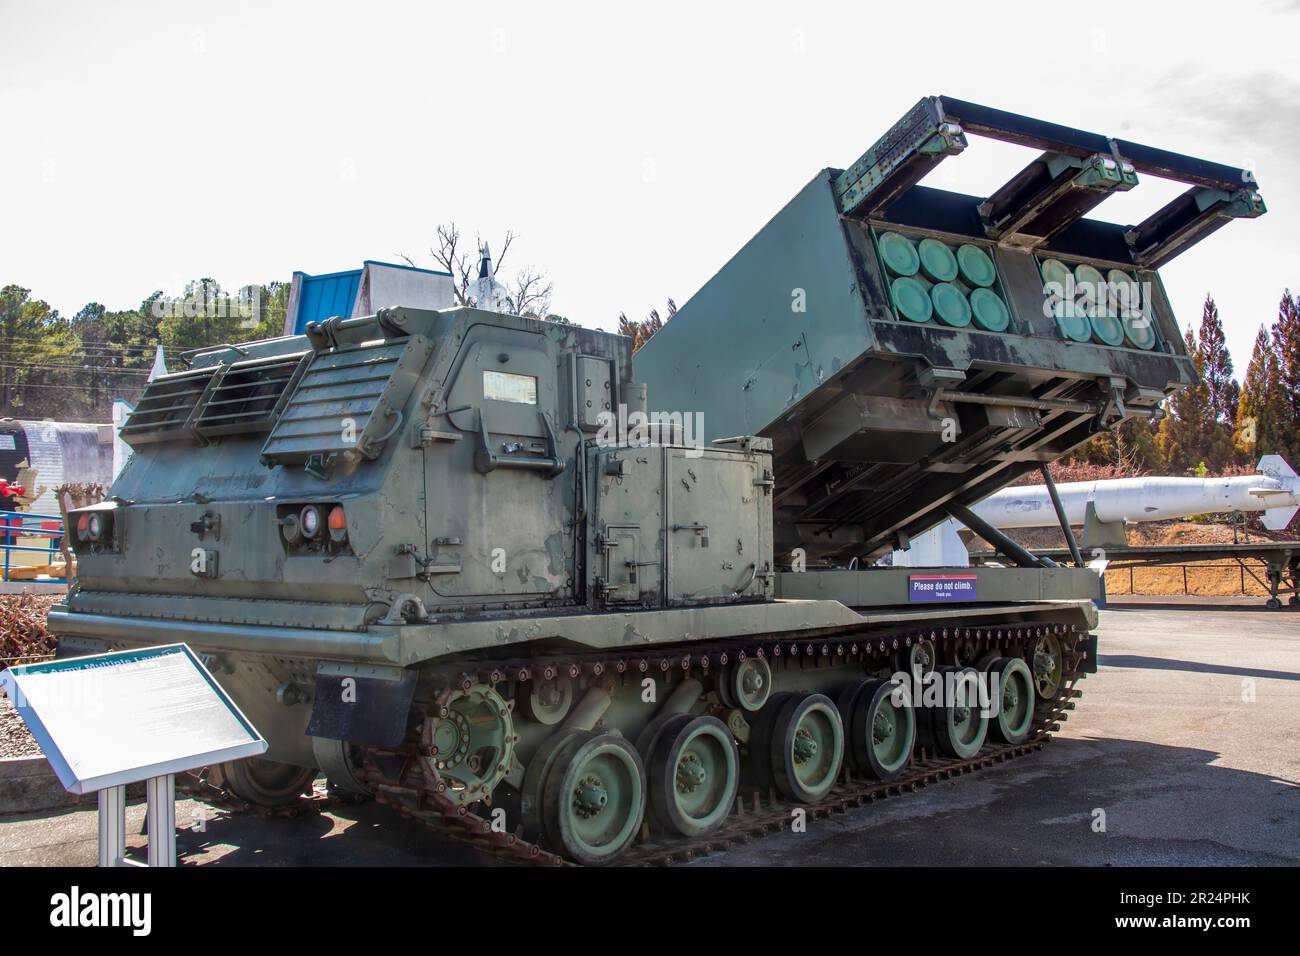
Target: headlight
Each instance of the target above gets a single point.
(95, 527)
(82, 522)
(309, 521)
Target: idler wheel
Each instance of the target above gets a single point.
(594, 798)
(1013, 685)
(1047, 662)
(264, 783)
(694, 774)
(806, 747)
(958, 724)
(880, 723)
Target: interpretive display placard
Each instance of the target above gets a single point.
(113, 719)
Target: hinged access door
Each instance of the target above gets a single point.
(500, 500)
(719, 526)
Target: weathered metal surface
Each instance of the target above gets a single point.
(374, 645)
(678, 526)
(412, 643)
(883, 410)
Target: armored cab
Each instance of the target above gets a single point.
(909, 350)
(400, 469)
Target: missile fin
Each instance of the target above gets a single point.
(1275, 466)
(1275, 519)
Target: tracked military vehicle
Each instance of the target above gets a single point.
(447, 558)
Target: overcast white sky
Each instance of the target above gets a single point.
(633, 147)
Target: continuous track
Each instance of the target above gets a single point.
(413, 786)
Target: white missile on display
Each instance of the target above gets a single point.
(1275, 491)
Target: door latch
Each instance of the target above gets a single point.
(701, 532)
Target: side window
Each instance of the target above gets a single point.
(509, 387)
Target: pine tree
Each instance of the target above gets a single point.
(1263, 409)
(1221, 387)
(36, 358)
(1190, 434)
(641, 332)
(1286, 341)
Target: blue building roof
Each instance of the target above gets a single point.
(334, 293)
(325, 295)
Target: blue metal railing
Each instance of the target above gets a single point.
(23, 524)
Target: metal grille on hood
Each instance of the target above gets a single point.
(234, 399)
(248, 396)
(165, 408)
(349, 401)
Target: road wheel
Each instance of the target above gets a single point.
(881, 730)
(264, 783)
(535, 776)
(594, 799)
(958, 724)
(1010, 678)
(694, 774)
(807, 747)
(760, 740)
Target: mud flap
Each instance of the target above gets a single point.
(361, 704)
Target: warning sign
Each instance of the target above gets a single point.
(941, 587)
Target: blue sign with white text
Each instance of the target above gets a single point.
(941, 587)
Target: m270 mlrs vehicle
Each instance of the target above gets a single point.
(408, 547)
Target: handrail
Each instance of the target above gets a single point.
(20, 524)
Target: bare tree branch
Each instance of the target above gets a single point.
(454, 260)
(505, 247)
(528, 294)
